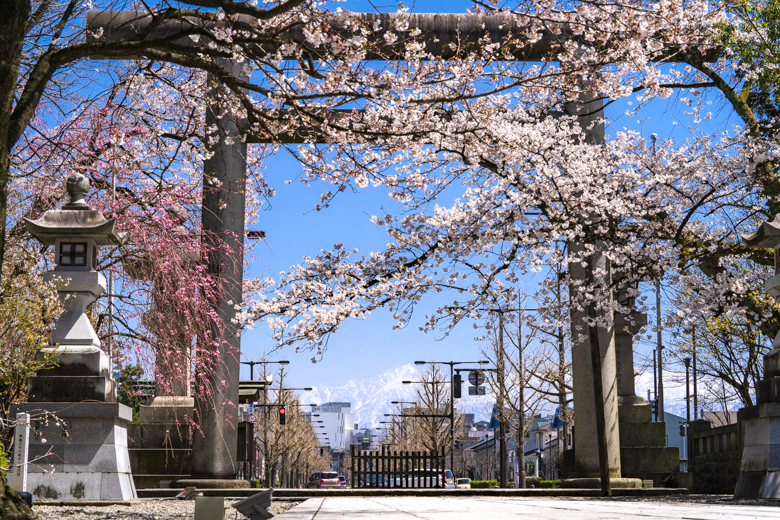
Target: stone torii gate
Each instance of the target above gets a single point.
(214, 452)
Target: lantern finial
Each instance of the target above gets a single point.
(78, 187)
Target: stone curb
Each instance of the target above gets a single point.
(85, 503)
(303, 494)
(107, 503)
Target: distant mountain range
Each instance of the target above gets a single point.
(371, 397)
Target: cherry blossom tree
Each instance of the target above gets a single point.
(490, 158)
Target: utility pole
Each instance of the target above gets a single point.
(502, 390)
(660, 347)
(655, 385)
(688, 455)
(452, 418)
(520, 436)
(695, 393)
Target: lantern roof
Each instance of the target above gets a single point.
(75, 220)
(767, 235)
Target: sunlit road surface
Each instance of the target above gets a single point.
(502, 508)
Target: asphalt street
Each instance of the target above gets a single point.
(501, 508)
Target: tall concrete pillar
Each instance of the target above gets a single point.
(214, 446)
(586, 451)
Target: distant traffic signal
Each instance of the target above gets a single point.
(322, 452)
(456, 382)
(282, 415)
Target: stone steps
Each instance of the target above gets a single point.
(638, 435)
(649, 460)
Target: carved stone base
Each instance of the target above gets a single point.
(759, 475)
(90, 462)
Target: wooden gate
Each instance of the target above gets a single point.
(389, 468)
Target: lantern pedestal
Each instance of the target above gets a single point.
(80, 445)
(759, 475)
(87, 460)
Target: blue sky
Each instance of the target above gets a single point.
(366, 349)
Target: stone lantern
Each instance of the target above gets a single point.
(89, 455)
(759, 475)
(76, 231)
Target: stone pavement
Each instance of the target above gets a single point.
(501, 508)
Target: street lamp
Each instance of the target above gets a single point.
(451, 364)
(253, 363)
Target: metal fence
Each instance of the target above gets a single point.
(389, 468)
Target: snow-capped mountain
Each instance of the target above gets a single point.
(371, 397)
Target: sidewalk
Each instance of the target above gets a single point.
(501, 508)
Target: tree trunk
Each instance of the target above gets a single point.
(598, 391)
(13, 21)
(12, 507)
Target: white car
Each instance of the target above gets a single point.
(463, 483)
(449, 479)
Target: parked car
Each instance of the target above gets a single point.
(463, 483)
(343, 481)
(449, 479)
(324, 480)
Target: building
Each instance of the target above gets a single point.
(364, 438)
(675, 425)
(338, 424)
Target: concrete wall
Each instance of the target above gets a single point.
(717, 457)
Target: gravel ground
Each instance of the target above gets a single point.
(143, 510)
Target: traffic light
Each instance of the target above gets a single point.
(456, 382)
(282, 415)
(682, 430)
(322, 452)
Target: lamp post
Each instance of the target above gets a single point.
(659, 396)
(451, 364)
(253, 363)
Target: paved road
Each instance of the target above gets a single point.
(501, 508)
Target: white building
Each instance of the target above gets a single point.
(338, 423)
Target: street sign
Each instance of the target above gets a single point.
(476, 390)
(476, 378)
(252, 418)
(254, 429)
